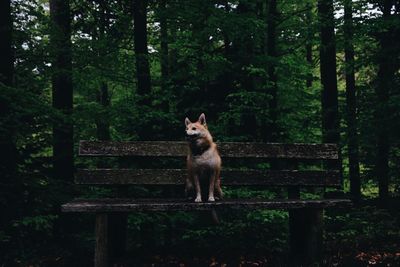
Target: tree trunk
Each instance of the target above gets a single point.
(385, 77)
(7, 61)
(102, 97)
(62, 89)
(164, 44)
(173, 56)
(227, 40)
(8, 154)
(141, 51)
(102, 123)
(352, 142)
(244, 50)
(272, 76)
(309, 42)
(6, 79)
(329, 98)
(226, 79)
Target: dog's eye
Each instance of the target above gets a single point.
(194, 128)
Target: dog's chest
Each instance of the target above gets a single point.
(208, 159)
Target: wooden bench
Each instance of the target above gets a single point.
(305, 215)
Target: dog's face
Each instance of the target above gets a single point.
(198, 129)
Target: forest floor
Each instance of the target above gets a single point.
(360, 259)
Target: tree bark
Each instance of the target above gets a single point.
(329, 98)
(227, 40)
(9, 154)
(272, 76)
(173, 55)
(164, 44)
(6, 62)
(244, 49)
(141, 51)
(102, 123)
(62, 89)
(309, 42)
(385, 77)
(351, 101)
(102, 97)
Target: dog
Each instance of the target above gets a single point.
(203, 161)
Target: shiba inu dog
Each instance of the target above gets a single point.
(203, 161)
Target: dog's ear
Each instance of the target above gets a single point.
(202, 119)
(187, 121)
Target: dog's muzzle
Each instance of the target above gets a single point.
(190, 137)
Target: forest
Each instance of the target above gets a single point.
(274, 71)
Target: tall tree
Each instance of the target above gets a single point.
(272, 16)
(309, 43)
(8, 155)
(141, 50)
(329, 98)
(62, 89)
(164, 43)
(102, 122)
(6, 63)
(243, 52)
(384, 82)
(102, 96)
(244, 47)
(351, 101)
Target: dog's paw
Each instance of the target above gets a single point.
(211, 199)
(197, 200)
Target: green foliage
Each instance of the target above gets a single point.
(218, 64)
(362, 229)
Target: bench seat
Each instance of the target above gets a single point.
(127, 205)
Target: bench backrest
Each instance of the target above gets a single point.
(309, 178)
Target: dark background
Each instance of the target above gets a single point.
(262, 70)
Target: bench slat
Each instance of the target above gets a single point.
(126, 205)
(229, 150)
(228, 177)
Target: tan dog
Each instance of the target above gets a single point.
(203, 160)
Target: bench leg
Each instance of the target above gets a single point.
(101, 232)
(117, 224)
(306, 229)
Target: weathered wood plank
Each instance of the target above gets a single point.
(306, 237)
(229, 150)
(127, 205)
(101, 234)
(228, 177)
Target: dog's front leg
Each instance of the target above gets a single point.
(197, 187)
(211, 187)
